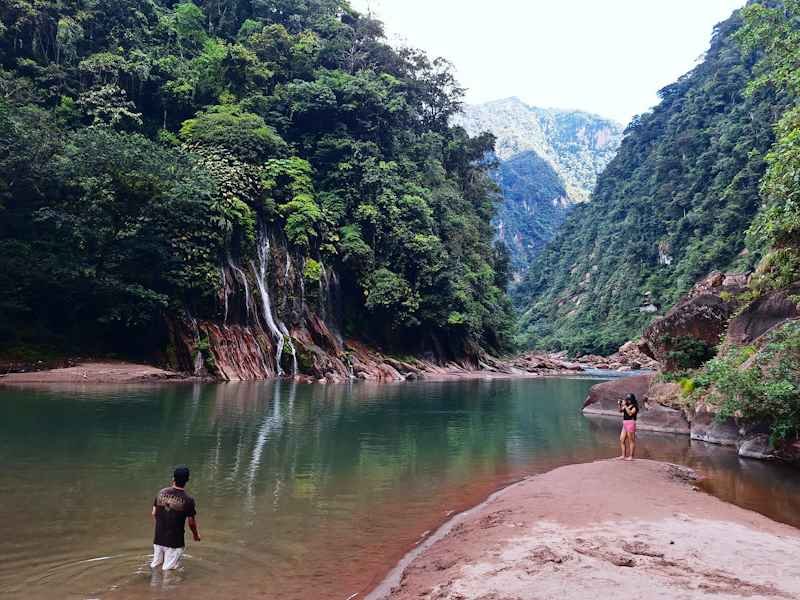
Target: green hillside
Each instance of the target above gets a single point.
(673, 205)
(535, 203)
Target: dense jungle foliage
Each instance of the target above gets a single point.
(762, 382)
(674, 204)
(142, 142)
(535, 203)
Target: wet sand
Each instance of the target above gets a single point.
(605, 529)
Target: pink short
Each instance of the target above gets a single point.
(629, 426)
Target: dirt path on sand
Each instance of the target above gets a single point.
(609, 529)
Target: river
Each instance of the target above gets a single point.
(303, 491)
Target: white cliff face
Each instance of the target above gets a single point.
(549, 161)
(578, 145)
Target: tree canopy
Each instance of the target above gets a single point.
(144, 141)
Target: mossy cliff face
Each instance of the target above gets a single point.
(276, 322)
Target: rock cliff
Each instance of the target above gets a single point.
(274, 323)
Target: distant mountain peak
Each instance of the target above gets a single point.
(517, 103)
(577, 144)
(549, 161)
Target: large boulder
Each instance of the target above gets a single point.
(603, 397)
(764, 314)
(706, 427)
(756, 446)
(635, 355)
(686, 335)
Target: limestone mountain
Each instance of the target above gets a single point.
(549, 161)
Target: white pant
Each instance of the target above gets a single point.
(169, 556)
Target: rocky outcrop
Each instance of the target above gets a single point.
(273, 322)
(661, 412)
(688, 333)
(631, 356)
(603, 397)
(763, 314)
(711, 315)
(707, 427)
(756, 446)
(270, 328)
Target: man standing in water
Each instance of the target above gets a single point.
(171, 509)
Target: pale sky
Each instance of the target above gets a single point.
(608, 57)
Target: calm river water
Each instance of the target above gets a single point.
(303, 491)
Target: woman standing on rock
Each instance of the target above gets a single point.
(627, 437)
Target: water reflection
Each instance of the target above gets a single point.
(306, 491)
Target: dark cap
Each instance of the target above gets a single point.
(181, 475)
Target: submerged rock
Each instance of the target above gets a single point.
(756, 446)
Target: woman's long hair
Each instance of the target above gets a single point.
(631, 399)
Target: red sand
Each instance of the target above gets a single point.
(609, 529)
(95, 372)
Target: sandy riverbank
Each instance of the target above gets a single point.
(608, 529)
(111, 372)
(96, 372)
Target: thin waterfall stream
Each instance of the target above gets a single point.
(278, 330)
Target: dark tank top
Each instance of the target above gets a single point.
(627, 417)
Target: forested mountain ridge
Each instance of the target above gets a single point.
(233, 176)
(549, 160)
(672, 206)
(535, 203)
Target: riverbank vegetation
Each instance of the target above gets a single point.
(762, 382)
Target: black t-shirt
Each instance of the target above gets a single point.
(626, 416)
(173, 507)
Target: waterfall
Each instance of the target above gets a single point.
(198, 356)
(289, 342)
(225, 292)
(261, 281)
(349, 364)
(243, 277)
(283, 329)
